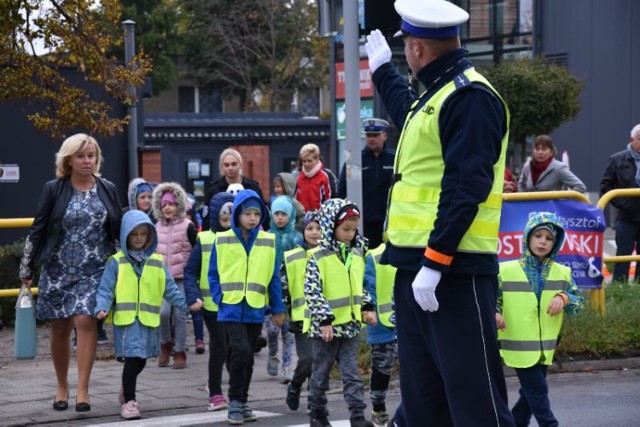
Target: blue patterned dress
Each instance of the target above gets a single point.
(69, 281)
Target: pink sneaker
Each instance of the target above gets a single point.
(217, 403)
(130, 410)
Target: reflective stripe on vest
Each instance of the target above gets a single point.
(385, 277)
(207, 239)
(242, 275)
(141, 297)
(295, 264)
(531, 334)
(414, 198)
(341, 287)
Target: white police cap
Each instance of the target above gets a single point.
(375, 125)
(429, 19)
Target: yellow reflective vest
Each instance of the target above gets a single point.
(530, 335)
(141, 297)
(385, 278)
(295, 263)
(207, 239)
(342, 286)
(418, 171)
(245, 276)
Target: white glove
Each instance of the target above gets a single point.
(424, 288)
(377, 49)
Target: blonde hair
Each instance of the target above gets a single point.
(71, 146)
(230, 152)
(310, 150)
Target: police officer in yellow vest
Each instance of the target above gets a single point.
(534, 292)
(197, 289)
(244, 278)
(134, 282)
(443, 219)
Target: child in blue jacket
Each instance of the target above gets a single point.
(243, 277)
(135, 278)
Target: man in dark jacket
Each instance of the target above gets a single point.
(377, 171)
(442, 221)
(623, 171)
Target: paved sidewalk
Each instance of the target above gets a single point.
(27, 387)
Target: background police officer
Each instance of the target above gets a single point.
(443, 220)
(377, 170)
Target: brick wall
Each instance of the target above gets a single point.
(150, 166)
(256, 165)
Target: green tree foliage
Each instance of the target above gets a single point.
(157, 34)
(243, 47)
(39, 39)
(540, 96)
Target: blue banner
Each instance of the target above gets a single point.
(584, 226)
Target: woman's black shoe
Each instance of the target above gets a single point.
(83, 407)
(61, 405)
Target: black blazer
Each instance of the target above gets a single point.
(52, 205)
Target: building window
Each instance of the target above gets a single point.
(497, 30)
(193, 99)
(186, 99)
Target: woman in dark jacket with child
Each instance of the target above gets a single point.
(74, 231)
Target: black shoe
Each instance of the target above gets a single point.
(360, 421)
(61, 405)
(319, 421)
(293, 397)
(102, 337)
(83, 407)
(261, 343)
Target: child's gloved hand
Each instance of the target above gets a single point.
(424, 288)
(101, 315)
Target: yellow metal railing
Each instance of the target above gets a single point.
(597, 296)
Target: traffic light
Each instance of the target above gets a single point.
(380, 14)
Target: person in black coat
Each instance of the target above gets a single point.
(74, 232)
(230, 167)
(623, 171)
(377, 172)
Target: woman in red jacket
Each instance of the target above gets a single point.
(313, 186)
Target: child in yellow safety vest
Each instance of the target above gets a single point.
(243, 278)
(197, 289)
(292, 277)
(379, 280)
(134, 282)
(534, 292)
(339, 305)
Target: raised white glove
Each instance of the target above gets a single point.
(377, 49)
(424, 288)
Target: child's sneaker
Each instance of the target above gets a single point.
(199, 346)
(234, 413)
(319, 421)
(286, 376)
(272, 366)
(217, 403)
(102, 337)
(247, 414)
(380, 419)
(293, 397)
(130, 410)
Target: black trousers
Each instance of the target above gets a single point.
(450, 367)
(217, 352)
(242, 338)
(133, 366)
